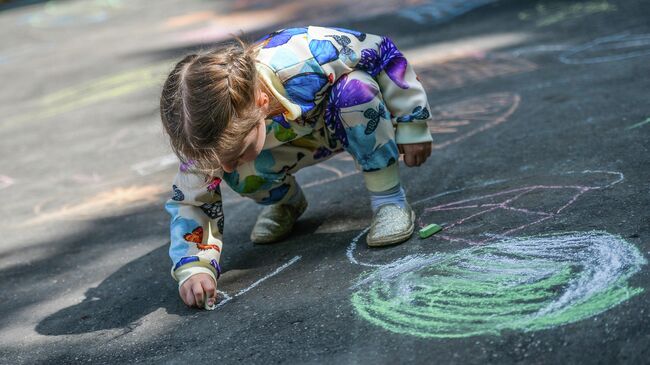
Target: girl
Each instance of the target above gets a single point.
(253, 115)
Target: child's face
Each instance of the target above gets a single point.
(252, 146)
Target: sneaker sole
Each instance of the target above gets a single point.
(391, 240)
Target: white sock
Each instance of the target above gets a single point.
(394, 195)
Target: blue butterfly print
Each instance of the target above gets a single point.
(281, 37)
(418, 113)
(345, 94)
(323, 51)
(344, 41)
(281, 121)
(185, 260)
(374, 117)
(360, 36)
(275, 194)
(303, 88)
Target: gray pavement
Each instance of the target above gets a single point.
(540, 176)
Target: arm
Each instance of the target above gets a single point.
(402, 92)
(196, 226)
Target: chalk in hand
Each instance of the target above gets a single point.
(430, 230)
(205, 304)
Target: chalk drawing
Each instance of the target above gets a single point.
(441, 10)
(549, 14)
(5, 181)
(611, 48)
(95, 91)
(625, 46)
(70, 13)
(640, 124)
(154, 165)
(526, 283)
(472, 69)
(102, 204)
(226, 298)
(454, 122)
(503, 282)
(540, 49)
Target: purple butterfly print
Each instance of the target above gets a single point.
(321, 152)
(216, 266)
(345, 94)
(389, 59)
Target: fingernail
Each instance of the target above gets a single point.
(210, 302)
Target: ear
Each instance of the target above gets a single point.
(262, 100)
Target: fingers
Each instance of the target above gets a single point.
(197, 291)
(410, 159)
(415, 154)
(185, 292)
(210, 289)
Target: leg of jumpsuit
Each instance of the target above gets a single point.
(356, 115)
(268, 179)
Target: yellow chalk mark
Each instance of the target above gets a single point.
(105, 88)
(189, 19)
(101, 204)
(554, 13)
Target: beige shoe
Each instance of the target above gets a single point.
(276, 221)
(390, 225)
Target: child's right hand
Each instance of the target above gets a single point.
(193, 289)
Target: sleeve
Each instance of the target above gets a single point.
(340, 51)
(196, 226)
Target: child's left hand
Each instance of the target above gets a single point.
(415, 153)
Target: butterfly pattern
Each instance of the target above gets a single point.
(345, 94)
(178, 194)
(212, 210)
(388, 59)
(280, 37)
(344, 41)
(419, 113)
(335, 95)
(373, 118)
(359, 35)
(196, 236)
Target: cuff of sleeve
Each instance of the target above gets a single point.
(183, 273)
(412, 133)
(382, 180)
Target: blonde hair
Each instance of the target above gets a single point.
(207, 105)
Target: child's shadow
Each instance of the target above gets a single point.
(121, 299)
(144, 285)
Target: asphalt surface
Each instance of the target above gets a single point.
(539, 174)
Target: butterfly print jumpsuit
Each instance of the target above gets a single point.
(343, 91)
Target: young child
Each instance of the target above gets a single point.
(253, 115)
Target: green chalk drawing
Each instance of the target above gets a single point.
(640, 124)
(528, 283)
(550, 14)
